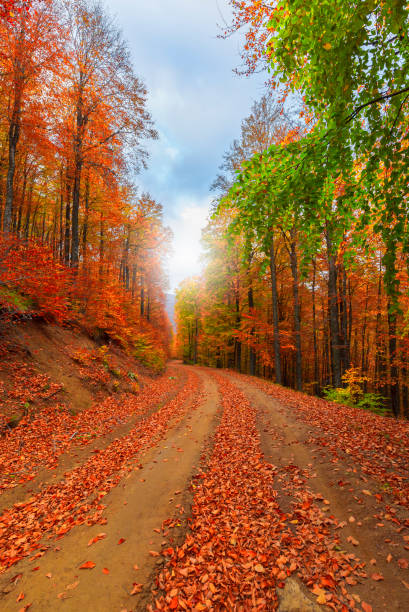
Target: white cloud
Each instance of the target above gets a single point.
(187, 224)
(197, 103)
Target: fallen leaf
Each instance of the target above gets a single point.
(72, 586)
(100, 536)
(353, 541)
(20, 597)
(137, 588)
(87, 565)
(377, 577)
(121, 540)
(105, 570)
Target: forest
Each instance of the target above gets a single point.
(78, 240)
(305, 278)
(254, 457)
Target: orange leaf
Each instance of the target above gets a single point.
(377, 577)
(105, 570)
(121, 540)
(87, 565)
(137, 588)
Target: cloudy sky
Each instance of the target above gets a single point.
(197, 103)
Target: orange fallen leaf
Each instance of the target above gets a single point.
(137, 588)
(87, 565)
(366, 607)
(174, 602)
(259, 568)
(121, 540)
(353, 541)
(20, 597)
(49, 575)
(100, 536)
(153, 553)
(377, 577)
(72, 586)
(105, 570)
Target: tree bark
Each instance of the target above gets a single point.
(333, 313)
(297, 313)
(274, 296)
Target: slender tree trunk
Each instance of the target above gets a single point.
(28, 214)
(333, 313)
(85, 228)
(13, 136)
(237, 347)
(314, 329)
(23, 197)
(297, 313)
(344, 320)
(252, 354)
(394, 374)
(78, 163)
(274, 296)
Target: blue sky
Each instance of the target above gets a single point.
(197, 103)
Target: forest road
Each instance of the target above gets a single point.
(146, 512)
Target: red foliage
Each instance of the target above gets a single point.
(30, 269)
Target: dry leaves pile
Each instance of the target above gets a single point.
(241, 547)
(77, 499)
(378, 445)
(41, 438)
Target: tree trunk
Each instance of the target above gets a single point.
(333, 313)
(297, 314)
(314, 329)
(394, 374)
(274, 296)
(13, 135)
(252, 354)
(76, 190)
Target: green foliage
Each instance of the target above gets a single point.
(367, 401)
(13, 300)
(148, 354)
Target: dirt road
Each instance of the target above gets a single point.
(217, 499)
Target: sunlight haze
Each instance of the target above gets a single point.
(197, 103)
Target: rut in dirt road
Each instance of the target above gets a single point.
(218, 500)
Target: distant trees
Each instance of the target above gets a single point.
(300, 245)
